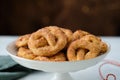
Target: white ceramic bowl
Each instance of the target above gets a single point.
(58, 67)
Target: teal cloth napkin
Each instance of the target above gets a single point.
(10, 70)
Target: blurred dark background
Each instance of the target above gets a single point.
(100, 17)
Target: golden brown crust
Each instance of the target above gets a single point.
(25, 53)
(57, 57)
(23, 40)
(104, 47)
(79, 34)
(89, 43)
(56, 41)
(68, 33)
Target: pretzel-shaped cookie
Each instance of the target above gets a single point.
(56, 41)
(22, 40)
(25, 53)
(88, 46)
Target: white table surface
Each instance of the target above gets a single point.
(110, 70)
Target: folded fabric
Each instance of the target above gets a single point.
(10, 70)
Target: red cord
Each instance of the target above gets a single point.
(108, 75)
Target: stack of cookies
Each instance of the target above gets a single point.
(54, 43)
